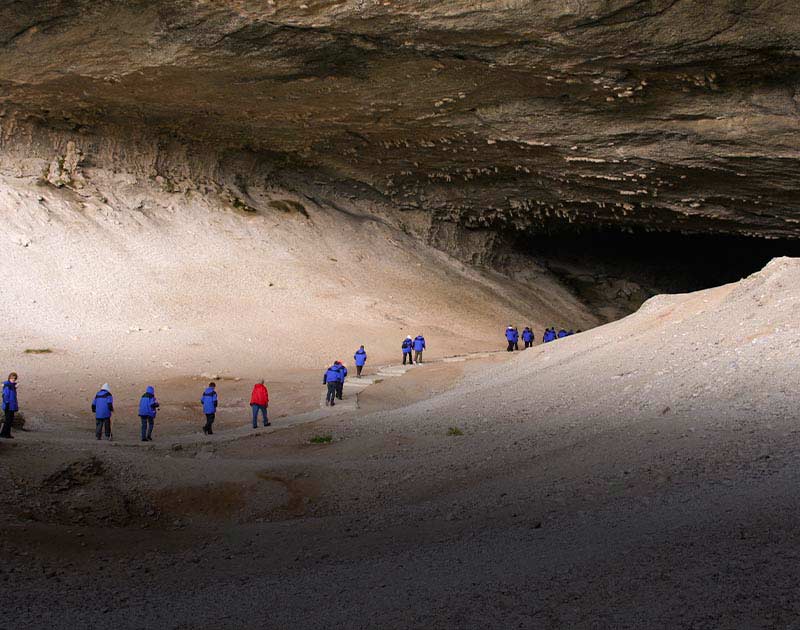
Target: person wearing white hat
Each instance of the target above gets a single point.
(103, 407)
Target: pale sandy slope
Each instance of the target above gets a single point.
(124, 279)
(641, 475)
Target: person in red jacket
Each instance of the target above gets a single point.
(259, 401)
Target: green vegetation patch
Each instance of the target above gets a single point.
(321, 439)
(454, 431)
(38, 351)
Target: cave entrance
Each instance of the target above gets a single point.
(613, 272)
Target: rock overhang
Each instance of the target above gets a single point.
(660, 115)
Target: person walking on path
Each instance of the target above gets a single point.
(419, 346)
(516, 338)
(360, 357)
(408, 348)
(331, 378)
(259, 401)
(148, 407)
(209, 401)
(510, 338)
(10, 405)
(340, 384)
(527, 336)
(103, 407)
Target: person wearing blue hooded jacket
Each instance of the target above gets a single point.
(419, 346)
(360, 357)
(103, 408)
(527, 336)
(549, 335)
(512, 337)
(331, 378)
(408, 348)
(562, 333)
(148, 407)
(10, 405)
(340, 384)
(209, 401)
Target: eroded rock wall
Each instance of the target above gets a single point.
(663, 114)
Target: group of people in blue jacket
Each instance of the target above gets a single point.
(334, 376)
(416, 346)
(513, 336)
(103, 408)
(550, 334)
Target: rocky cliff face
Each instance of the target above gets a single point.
(480, 121)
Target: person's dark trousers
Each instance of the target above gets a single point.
(410, 360)
(510, 346)
(528, 344)
(209, 421)
(263, 410)
(8, 420)
(418, 356)
(358, 369)
(516, 345)
(330, 397)
(102, 423)
(339, 389)
(147, 427)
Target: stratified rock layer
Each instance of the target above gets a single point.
(539, 115)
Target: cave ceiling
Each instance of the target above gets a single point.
(673, 115)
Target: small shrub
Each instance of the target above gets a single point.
(38, 351)
(321, 439)
(454, 431)
(241, 205)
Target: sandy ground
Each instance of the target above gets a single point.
(125, 281)
(641, 475)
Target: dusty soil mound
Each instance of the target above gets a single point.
(76, 474)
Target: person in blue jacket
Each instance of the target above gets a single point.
(148, 407)
(419, 346)
(331, 378)
(527, 336)
(511, 337)
(408, 348)
(340, 384)
(549, 335)
(360, 357)
(209, 401)
(103, 407)
(562, 333)
(10, 405)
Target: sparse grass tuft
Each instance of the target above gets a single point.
(321, 439)
(38, 351)
(241, 205)
(454, 431)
